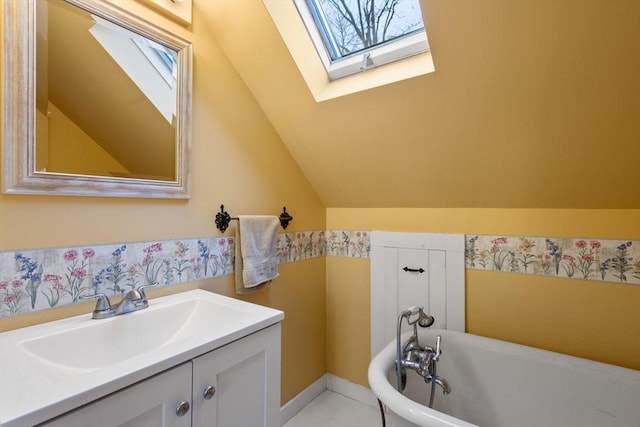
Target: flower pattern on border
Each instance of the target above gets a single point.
(602, 260)
(37, 279)
(301, 245)
(32, 280)
(352, 244)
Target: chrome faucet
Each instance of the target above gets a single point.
(421, 359)
(446, 388)
(133, 300)
(103, 308)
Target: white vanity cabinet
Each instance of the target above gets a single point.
(138, 369)
(236, 385)
(149, 403)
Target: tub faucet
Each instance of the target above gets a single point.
(421, 359)
(446, 388)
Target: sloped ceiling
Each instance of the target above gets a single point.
(533, 104)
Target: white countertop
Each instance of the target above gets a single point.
(38, 383)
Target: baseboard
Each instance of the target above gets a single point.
(305, 397)
(331, 382)
(351, 390)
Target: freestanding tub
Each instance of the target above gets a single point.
(500, 384)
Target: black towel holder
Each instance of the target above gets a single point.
(223, 219)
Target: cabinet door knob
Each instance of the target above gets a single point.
(208, 392)
(182, 408)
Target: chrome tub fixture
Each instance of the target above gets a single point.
(421, 359)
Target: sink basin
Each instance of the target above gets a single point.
(50, 368)
(95, 344)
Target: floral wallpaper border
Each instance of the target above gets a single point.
(32, 280)
(38, 279)
(602, 260)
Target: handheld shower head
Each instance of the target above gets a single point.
(424, 320)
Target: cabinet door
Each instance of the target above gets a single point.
(149, 403)
(246, 378)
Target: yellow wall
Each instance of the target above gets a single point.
(348, 318)
(599, 321)
(237, 160)
(71, 150)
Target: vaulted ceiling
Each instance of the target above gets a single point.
(532, 104)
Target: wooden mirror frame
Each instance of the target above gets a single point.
(19, 110)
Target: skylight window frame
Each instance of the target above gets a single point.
(413, 43)
(163, 59)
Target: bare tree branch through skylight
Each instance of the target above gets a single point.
(351, 26)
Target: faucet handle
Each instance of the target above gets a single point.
(142, 288)
(102, 303)
(436, 356)
(103, 307)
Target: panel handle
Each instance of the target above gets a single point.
(182, 408)
(208, 392)
(414, 270)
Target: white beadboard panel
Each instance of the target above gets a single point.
(438, 288)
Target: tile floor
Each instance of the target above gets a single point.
(331, 409)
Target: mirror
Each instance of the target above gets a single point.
(96, 102)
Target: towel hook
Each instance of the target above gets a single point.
(285, 218)
(222, 219)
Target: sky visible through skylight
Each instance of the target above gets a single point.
(351, 26)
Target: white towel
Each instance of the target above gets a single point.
(256, 245)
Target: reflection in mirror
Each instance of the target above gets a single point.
(112, 102)
(108, 99)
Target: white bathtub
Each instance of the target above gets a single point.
(500, 384)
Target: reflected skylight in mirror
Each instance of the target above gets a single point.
(138, 63)
(163, 59)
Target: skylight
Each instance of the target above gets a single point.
(355, 35)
